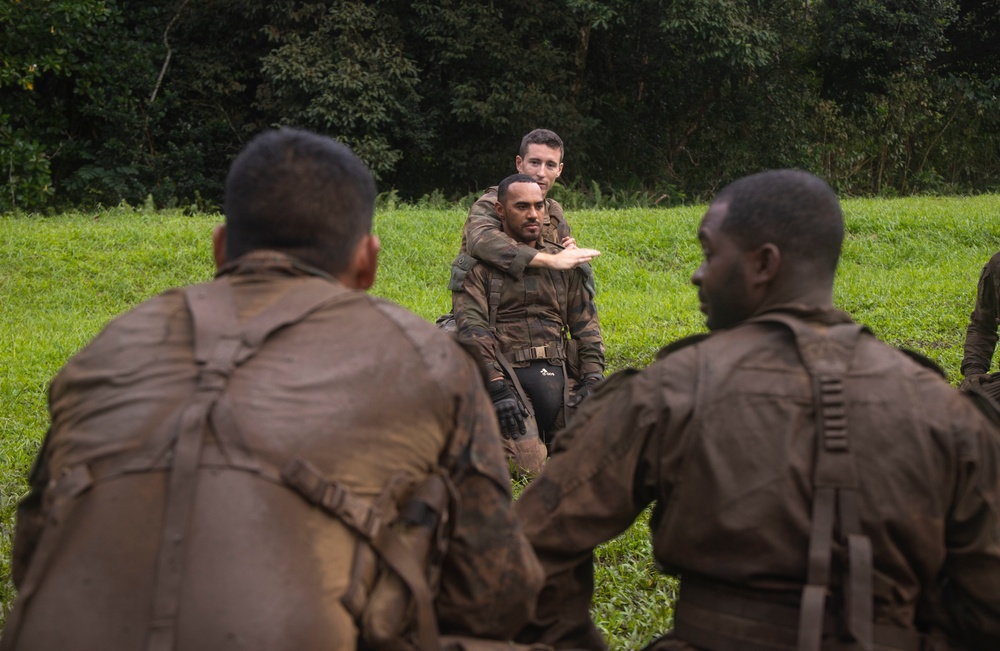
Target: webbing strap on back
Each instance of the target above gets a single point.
(364, 520)
(221, 343)
(836, 494)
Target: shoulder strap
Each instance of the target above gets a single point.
(370, 526)
(836, 495)
(495, 281)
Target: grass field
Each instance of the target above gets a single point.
(909, 272)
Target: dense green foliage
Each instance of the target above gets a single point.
(657, 100)
(909, 271)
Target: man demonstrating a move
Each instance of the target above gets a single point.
(539, 332)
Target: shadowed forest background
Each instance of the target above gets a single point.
(659, 101)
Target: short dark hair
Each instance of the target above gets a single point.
(510, 180)
(542, 137)
(795, 210)
(300, 193)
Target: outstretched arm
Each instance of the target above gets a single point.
(486, 241)
(565, 259)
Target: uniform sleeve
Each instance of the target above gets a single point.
(981, 335)
(486, 240)
(30, 517)
(584, 326)
(471, 309)
(599, 479)
(490, 578)
(968, 601)
(558, 218)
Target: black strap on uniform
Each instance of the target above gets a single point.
(836, 494)
(493, 300)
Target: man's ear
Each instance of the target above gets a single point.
(518, 162)
(364, 266)
(498, 207)
(219, 245)
(764, 263)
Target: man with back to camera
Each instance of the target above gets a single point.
(274, 459)
(981, 334)
(521, 325)
(813, 487)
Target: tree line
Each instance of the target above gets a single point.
(663, 100)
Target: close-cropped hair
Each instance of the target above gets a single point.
(542, 137)
(793, 209)
(299, 193)
(510, 180)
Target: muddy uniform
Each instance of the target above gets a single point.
(981, 335)
(533, 316)
(325, 414)
(722, 435)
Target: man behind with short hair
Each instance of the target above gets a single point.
(981, 335)
(813, 487)
(522, 325)
(274, 459)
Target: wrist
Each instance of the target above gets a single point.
(499, 390)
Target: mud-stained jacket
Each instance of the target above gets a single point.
(360, 389)
(721, 435)
(483, 237)
(981, 335)
(536, 310)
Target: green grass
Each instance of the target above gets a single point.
(909, 271)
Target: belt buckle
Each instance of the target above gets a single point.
(538, 352)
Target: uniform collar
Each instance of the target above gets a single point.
(270, 263)
(813, 313)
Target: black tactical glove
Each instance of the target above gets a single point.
(508, 411)
(586, 388)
